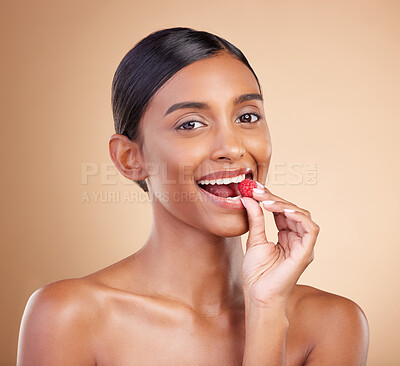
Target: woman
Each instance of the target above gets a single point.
(190, 125)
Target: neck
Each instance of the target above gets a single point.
(191, 266)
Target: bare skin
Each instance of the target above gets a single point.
(190, 296)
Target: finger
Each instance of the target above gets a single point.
(279, 206)
(280, 221)
(311, 229)
(283, 230)
(292, 225)
(256, 222)
(283, 240)
(261, 193)
(300, 229)
(286, 223)
(283, 223)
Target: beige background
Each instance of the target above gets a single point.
(330, 76)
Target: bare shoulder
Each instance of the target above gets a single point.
(333, 323)
(310, 299)
(58, 324)
(63, 299)
(335, 310)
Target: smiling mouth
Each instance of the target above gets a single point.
(224, 187)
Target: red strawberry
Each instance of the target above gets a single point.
(246, 187)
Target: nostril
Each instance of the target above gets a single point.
(227, 150)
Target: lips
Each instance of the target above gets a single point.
(224, 184)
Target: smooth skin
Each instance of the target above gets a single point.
(190, 296)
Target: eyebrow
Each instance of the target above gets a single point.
(200, 105)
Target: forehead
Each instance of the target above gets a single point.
(216, 81)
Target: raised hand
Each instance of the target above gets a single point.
(270, 271)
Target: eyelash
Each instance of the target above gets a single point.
(252, 113)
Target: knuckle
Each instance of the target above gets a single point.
(268, 192)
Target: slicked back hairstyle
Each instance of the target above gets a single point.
(150, 63)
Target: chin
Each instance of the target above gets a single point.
(230, 228)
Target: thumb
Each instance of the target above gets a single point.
(256, 222)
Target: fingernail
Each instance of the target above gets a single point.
(243, 201)
(266, 203)
(256, 190)
(289, 210)
(259, 185)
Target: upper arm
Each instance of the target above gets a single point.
(343, 334)
(54, 330)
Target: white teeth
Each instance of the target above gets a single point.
(236, 179)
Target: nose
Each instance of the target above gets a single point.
(227, 144)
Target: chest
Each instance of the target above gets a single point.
(162, 342)
(143, 342)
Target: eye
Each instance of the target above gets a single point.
(249, 118)
(190, 125)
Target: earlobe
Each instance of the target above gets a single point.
(127, 157)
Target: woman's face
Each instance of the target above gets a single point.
(220, 136)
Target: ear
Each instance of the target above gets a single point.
(127, 157)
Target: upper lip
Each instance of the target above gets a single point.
(225, 174)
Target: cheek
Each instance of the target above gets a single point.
(261, 149)
(172, 164)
